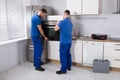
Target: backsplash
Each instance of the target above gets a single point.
(102, 24)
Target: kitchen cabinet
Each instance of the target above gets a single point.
(13, 54)
(112, 53)
(78, 7)
(4, 61)
(92, 50)
(76, 51)
(74, 6)
(90, 6)
(53, 50)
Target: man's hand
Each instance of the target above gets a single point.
(42, 32)
(45, 38)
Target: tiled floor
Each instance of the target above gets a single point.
(26, 72)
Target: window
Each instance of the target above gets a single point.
(11, 20)
(3, 21)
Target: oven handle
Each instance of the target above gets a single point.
(51, 27)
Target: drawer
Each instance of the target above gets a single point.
(114, 62)
(75, 41)
(111, 44)
(112, 52)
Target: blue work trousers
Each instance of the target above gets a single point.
(37, 43)
(65, 56)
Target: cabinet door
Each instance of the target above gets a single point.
(91, 51)
(13, 54)
(76, 51)
(53, 50)
(74, 6)
(4, 58)
(90, 6)
(114, 62)
(112, 53)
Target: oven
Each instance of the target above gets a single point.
(50, 32)
(49, 27)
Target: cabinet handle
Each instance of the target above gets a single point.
(75, 13)
(117, 49)
(31, 48)
(117, 44)
(93, 43)
(117, 59)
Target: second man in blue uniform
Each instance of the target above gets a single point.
(65, 26)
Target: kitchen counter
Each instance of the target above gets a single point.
(90, 39)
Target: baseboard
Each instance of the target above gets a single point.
(58, 62)
(115, 69)
(80, 65)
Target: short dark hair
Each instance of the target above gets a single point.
(44, 10)
(67, 12)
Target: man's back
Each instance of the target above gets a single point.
(65, 31)
(34, 22)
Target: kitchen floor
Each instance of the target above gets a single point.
(26, 71)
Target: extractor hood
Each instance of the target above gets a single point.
(117, 7)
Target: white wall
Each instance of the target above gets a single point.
(106, 22)
(12, 54)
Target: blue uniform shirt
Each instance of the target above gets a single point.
(36, 20)
(65, 31)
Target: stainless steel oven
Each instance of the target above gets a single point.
(50, 33)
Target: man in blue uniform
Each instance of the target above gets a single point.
(65, 26)
(36, 34)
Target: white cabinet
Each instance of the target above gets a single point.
(4, 58)
(74, 6)
(90, 6)
(53, 50)
(76, 51)
(78, 7)
(91, 50)
(112, 53)
(13, 54)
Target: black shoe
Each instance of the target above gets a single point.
(40, 69)
(60, 72)
(69, 69)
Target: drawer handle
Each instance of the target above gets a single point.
(117, 49)
(117, 59)
(93, 43)
(117, 44)
(31, 48)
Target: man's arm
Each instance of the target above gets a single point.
(56, 28)
(42, 32)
